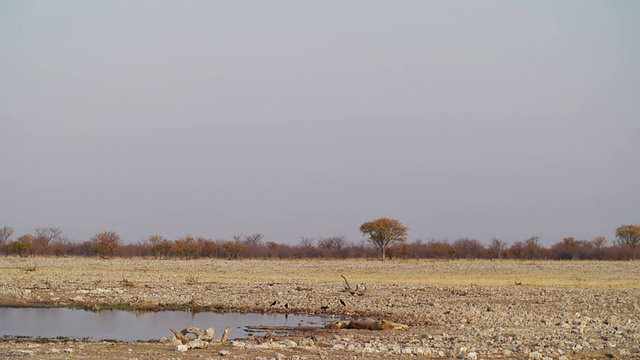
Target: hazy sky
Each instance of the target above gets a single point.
(473, 119)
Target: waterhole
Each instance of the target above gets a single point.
(61, 323)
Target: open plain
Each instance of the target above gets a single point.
(454, 309)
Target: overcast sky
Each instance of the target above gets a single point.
(503, 119)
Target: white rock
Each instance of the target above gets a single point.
(182, 348)
(472, 355)
(223, 352)
(419, 351)
(238, 344)
(624, 352)
(289, 343)
(307, 342)
(197, 344)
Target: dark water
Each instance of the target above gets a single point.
(132, 326)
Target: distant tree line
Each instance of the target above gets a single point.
(52, 242)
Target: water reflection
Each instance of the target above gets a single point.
(132, 326)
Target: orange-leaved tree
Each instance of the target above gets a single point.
(384, 232)
(629, 235)
(159, 246)
(106, 243)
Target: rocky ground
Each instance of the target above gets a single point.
(455, 310)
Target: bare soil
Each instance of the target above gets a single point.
(454, 309)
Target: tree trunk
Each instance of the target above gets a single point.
(384, 255)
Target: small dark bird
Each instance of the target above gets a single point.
(274, 302)
(286, 305)
(324, 307)
(342, 302)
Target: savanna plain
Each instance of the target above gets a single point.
(461, 309)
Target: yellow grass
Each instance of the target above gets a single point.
(583, 274)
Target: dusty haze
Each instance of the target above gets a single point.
(494, 119)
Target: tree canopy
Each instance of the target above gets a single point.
(384, 232)
(106, 243)
(629, 235)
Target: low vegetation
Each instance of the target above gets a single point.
(108, 244)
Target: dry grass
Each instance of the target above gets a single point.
(581, 274)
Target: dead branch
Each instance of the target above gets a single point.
(225, 335)
(357, 291)
(193, 330)
(347, 288)
(183, 339)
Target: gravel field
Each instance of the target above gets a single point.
(454, 309)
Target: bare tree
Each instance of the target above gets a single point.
(45, 235)
(307, 242)
(339, 242)
(599, 241)
(237, 238)
(497, 248)
(468, 248)
(532, 247)
(325, 243)
(332, 243)
(5, 234)
(253, 240)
